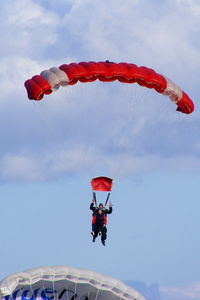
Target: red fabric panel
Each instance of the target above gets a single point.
(39, 80)
(185, 105)
(34, 91)
(108, 71)
(37, 87)
(74, 71)
(95, 68)
(101, 184)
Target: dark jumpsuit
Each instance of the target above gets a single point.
(99, 221)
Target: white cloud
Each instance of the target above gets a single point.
(192, 5)
(46, 165)
(191, 292)
(20, 167)
(28, 13)
(83, 160)
(13, 72)
(27, 28)
(129, 32)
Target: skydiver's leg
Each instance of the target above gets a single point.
(95, 230)
(103, 234)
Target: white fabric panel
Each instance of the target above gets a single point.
(62, 282)
(52, 79)
(172, 91)
(63, 78)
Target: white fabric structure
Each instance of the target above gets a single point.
(64, 283)
(55, 77)
(173, 91)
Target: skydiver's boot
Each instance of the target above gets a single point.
(103, 242)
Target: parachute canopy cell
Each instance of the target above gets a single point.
(69, 74)
(101, 184)
(64, 283)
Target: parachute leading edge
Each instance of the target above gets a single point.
(69, 74)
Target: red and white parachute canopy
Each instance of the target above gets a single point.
(69, 74)
(101, 184)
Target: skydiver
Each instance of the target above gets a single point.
(99, 221)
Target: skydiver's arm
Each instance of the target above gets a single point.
(109, 211)
(92, 207)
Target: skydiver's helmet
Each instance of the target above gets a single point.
(101, 206)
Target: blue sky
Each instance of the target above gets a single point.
(50, 150)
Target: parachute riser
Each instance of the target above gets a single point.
(95, 199)
(107, 199)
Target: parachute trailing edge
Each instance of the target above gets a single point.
(69, 74)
